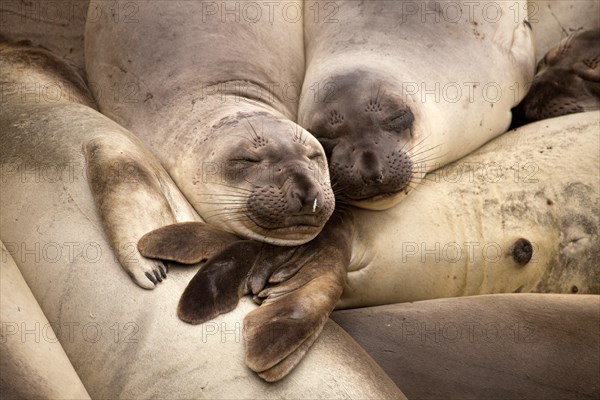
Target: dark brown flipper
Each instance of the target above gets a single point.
(186, 242)
(219, 285)
(298, 287)
(226, 277)
(294, 312)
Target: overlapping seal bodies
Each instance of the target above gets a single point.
(396, 89)
(59, 157)
(518, 215)
(214, 98)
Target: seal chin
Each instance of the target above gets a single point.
(296, 231)
(379, 202)
(294, 235)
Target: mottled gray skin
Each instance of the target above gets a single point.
(567, 80)
(395, 89)
(207, 96)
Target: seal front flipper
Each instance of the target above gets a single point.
(294, 312)
(240, 268)
(219, 285)
(185, 242)
(133, 195)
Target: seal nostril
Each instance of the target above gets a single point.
(522, 251)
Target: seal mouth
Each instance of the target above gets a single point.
(295, 229)
(377, 197)
(292, 224)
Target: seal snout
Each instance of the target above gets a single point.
(304, 196)
(370, 169)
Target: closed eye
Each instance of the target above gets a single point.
(400, 122)
(246, 160)
(314, 156)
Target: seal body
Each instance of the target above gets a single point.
(554, 20)
(518, 215)
(213, 95)
(31, 368)
(508, 346)
(56, 167)
(394, 90)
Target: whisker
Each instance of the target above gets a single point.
(234, 187)
(415, 145)
(223, 203)
(425, 160)
(245, 138)
(424, 151)
(256, 136)
(239, 196)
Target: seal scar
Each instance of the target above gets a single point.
(314, 209)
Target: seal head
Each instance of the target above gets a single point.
(366, 128)
(268, 181)
(567, 80)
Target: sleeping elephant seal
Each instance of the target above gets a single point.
(124, 342)
(518, 215)
(567, 80)
(395, 89)
(502, 346)
(212, 96)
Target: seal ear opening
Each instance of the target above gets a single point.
(219, 285)
(185, 243)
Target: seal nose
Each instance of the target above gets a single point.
(371, 170)
(305, 196)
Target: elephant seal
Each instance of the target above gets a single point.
(390, 101)
(24, 372)
(502, 346)
(567, 80)
(520, 214)
(210, 98)
(57, 153)
(121, 172)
